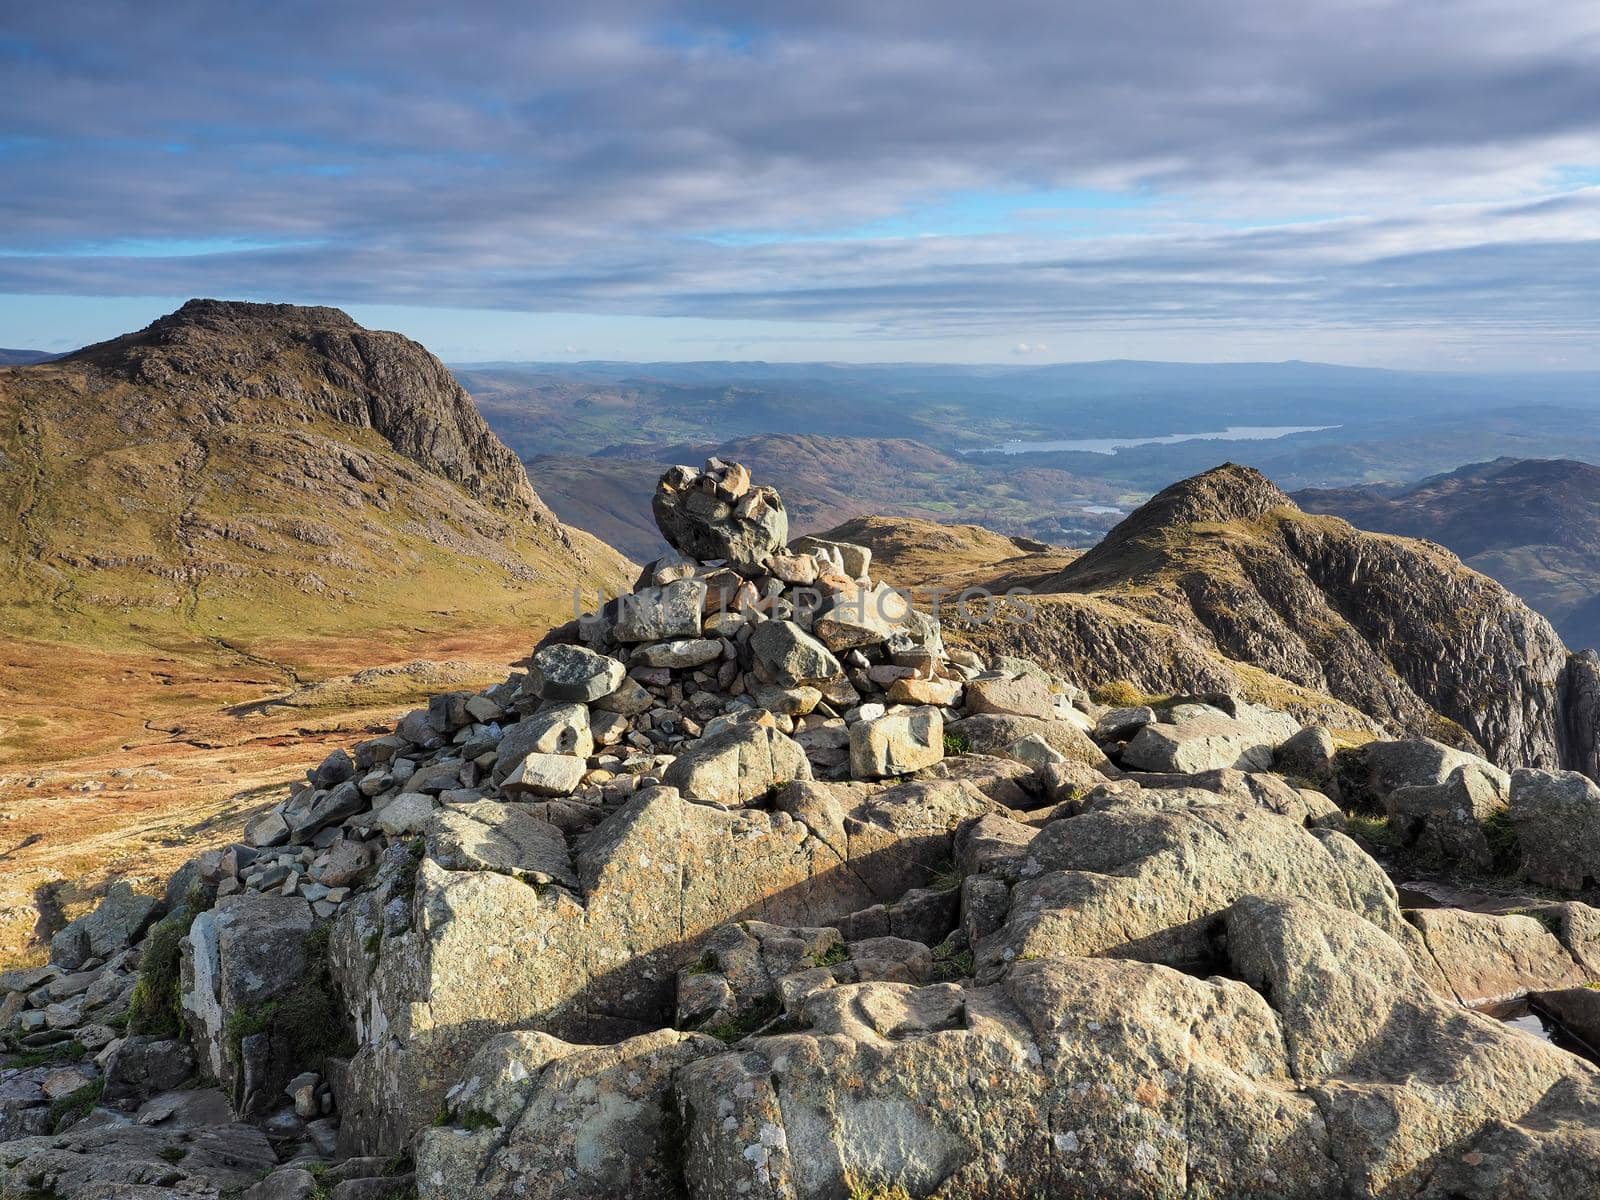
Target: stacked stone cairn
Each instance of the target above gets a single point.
(749, 886)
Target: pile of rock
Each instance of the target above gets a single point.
(751, 886)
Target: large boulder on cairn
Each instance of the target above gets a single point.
(715, 514)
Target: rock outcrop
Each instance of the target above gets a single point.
(728, 896)
(1222, 574)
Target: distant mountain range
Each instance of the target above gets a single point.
(24, 358)
(553, 408)
(1534, 525)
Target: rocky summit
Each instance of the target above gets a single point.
(761, 881)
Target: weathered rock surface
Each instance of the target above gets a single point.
(624, 925)
(1557, 819)
(734, 768)
(707, 515)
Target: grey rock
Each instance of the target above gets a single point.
(896, 743)
(545, 775)
(1557, 819)
(574, 674)
(736, 767)
(555, 729)
(115, 924)
(681, 653)
(743, 531)
(660, 613)
(564, 1122)
(792, 657)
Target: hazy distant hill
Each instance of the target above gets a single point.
(1534, 525)
(23, 358)
(829, 480)
(549, 408)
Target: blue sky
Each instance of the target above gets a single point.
(1385, 183)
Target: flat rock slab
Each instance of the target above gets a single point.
(487, 836)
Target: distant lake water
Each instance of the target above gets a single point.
(1234, 433)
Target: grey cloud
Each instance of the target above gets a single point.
(549, 155)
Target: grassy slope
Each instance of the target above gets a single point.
(159, 583)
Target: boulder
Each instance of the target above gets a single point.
(992, 733)
(554, 729)
(1488, 959)
(118, 921)
(238, 959)
(1035, 751)
(792, 657)
(733, 768)
(708, 524)
(406, 813)
(864, 615)
(655, 877)
(1208, 740)
(897, 743)
(139, 1067)
(1444, 821)
(1308, 754)
(1119, 724)
(1420, 1096)
(1151, 884)
(680, 654)
(1098, 1078)
(1557, 818)
(1010, 695)
(506, 838)
(545, 775)
(656, 614)
(117, 1161)
(629, 700)
(1369, 773)
(916, 690)
(310, 812)
(854, 560)
(573, 674)
(548, 1120)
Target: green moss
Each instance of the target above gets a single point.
(173, 1154)
(155, 1007)
(306, 1021)
(476, 1120)
(950, 963)
(834, 954)
(947, 876)
(1500, 832)
(61, 1052)
(75, 1106)
(1374, 831)
(704, 965)
(747, 1022)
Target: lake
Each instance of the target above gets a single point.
(1234, 433)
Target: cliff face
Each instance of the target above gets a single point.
(216, 363)
(1396, 628)
(1531, 524)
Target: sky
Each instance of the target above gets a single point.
(1380, 182)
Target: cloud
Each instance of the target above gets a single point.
(1400, 165)
(1025, 348)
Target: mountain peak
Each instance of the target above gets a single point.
(1222, 495)
(219, 363)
